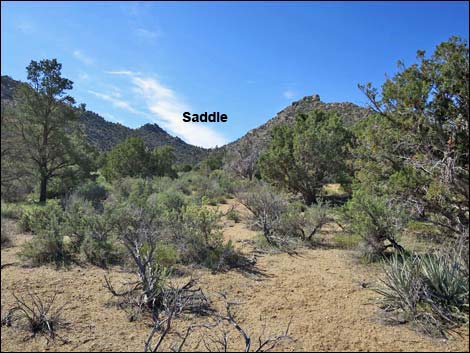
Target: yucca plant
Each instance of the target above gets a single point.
(402, 284)
(447, 286)
(431, 290)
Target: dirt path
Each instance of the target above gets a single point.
(318, 288)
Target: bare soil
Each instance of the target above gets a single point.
(325, 291)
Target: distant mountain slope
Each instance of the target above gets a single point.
(104, 135)
(258, 138)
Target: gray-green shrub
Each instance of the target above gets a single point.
(49, 245)
(378, 221)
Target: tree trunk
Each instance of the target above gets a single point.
(43, 189)
(310, 198)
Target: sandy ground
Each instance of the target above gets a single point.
(318, 288)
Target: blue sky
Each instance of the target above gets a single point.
(136, 63)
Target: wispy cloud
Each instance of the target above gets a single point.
(147, 34)
(79, 55)
(122, 72)
(83, 76)
(166, 108)
(289, 94)
(117, 102)
(112, 118)
(26, 27)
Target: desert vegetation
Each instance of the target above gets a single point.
(386, 195)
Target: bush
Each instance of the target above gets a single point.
(267, 207)
(50, 245)
(168, 201)
(93, 192)
(166, 255)
(233, 215)
(133, 190)
(377, 221)
(203, 242)
(36, 315)
(37, 217)
(101, 250)
(5, 234)
(10, 210)
(431, 290)
(302, 222)
(198, 235)
(93, 234)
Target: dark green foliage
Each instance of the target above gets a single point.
(415, 148)
(214, 161)
(131, 158)
(128, 159)
(93, 234)
(167, 255)
(169, 201)
(305, 156)
(183, 167)
(94, 192)
(161, 162)
(46, 123)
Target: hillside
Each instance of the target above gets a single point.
(103, 134)
(257, 139)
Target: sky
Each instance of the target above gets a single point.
(149, 62)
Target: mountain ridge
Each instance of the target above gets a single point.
(104, 134)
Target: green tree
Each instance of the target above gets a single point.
(214, 161)
(128, 158)
(161, 161)
(305, 156)
(46, 121)
(415, 149)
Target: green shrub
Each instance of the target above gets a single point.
(38, 217)
(101, 250)
(377, 221)
(10, 210)
(166, 255)
(92, 233)
(170, 200)
(203, 241)
(233, 215)
(347, 241)
(133, 190)
(94, 192)
(50, 245)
